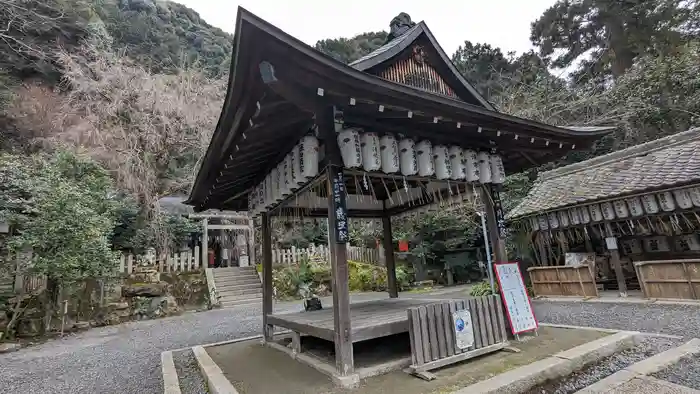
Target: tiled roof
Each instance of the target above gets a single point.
(663, 163)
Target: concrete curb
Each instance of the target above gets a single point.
(171, 384)
(216, 381)
(645, 367)
(620, 300)
(609, 330)
(561, 364)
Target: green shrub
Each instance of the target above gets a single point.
(483, 289)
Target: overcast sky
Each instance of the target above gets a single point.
(501, 23)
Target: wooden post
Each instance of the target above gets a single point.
(251, 242)
(267, 275)
(205, 243)
(389, 257)
(338, 248)
(341, 292)
(498, 244)
(611, 245)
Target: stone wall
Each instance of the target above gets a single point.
(145, 294)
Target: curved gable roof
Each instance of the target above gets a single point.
(386, 53)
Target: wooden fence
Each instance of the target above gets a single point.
(679, 279)
(294, 255)
(564, 280)
(189, 260)
(434, 343)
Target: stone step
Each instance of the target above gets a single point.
(230, 286)
(240, 297)
(231, 276)
(227, 292)
(234, 269)
(236, 281)
(229, 304)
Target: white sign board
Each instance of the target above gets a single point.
(517, 303)
(464, 331)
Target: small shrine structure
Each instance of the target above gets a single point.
(396, 132)
(625, 221)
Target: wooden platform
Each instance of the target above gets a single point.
(370, 319)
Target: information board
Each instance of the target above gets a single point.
(517, 303)
(340, 208)
(464, 331)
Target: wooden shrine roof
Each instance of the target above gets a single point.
(666, 162)
(277, 83)
(376, 62)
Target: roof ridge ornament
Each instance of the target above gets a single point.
(399, 26)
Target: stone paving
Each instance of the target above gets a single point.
(125, 359)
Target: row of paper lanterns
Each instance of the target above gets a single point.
(367, 151)
(633, 207)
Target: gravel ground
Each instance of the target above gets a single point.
(125, 359)
(686, 372)
(666, 319)
(647, 347)
(191, 380)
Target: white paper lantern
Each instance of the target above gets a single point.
(563, 218)
(596, 213)
(650, 204)
(308, 157)
(269, 191)
(282, 179)
(695, 195)
(533, 224)
(371, 158)
(620, 209)
(484, 167)
(608, 210)
(544, 225)
(575, 214)
(390, 154)
(635, 206)
(666, 201)
(585, 215)
(349, 143)
(424, 154)
(297, 178)
(407, 157)
(471, 166)
(443, 167)
(498, 172)
(553, 220)
(261, 196)
(456, 162)
(683, 198)
(289, 172)
(276, 191)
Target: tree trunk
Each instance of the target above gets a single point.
(622, 54)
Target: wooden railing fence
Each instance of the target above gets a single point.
(677, 279)
(183, 261)
(563, 280)
(434, 342)
(295, 255)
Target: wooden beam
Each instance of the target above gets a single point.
(268, 329)
(612, 245)
(229, 227)
(205, 242)
(344, 360)
(498, 244)
(388, 243)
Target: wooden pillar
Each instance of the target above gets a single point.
(611, 245)
(267, 274)
(498, 244)
(337, 220)
(389, 257)
(251, 242)
(205, 242)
